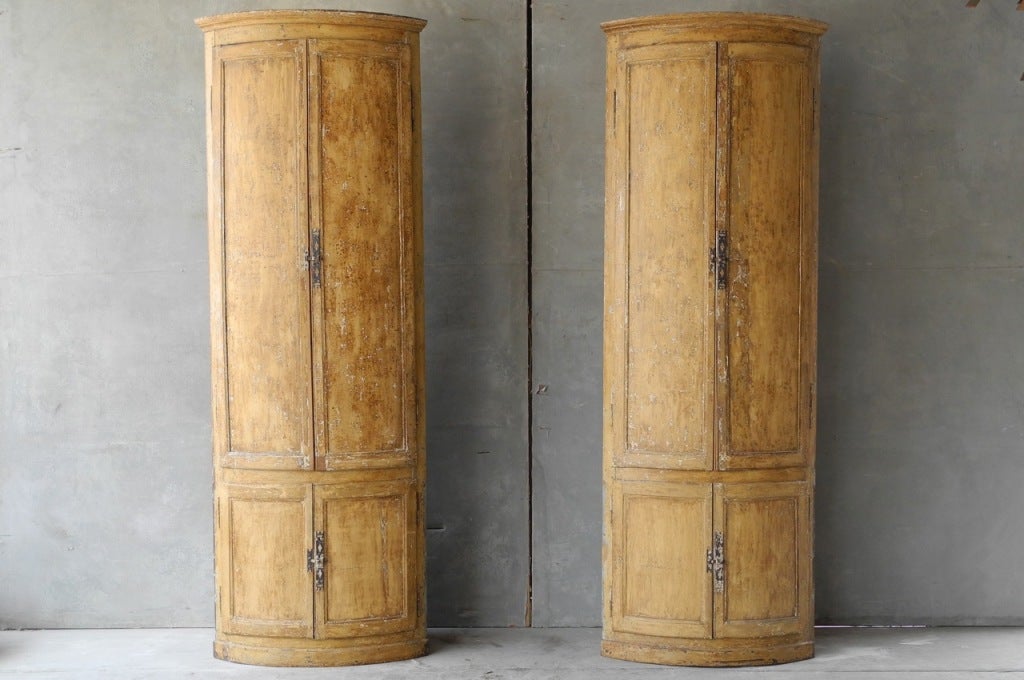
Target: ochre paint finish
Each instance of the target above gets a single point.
(709, 409)
(369, 530)
(318, 396)
(660, 587)
(668, 376)
(262, 585)
(264, 296)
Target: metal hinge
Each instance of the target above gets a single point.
(716, 561)
(412, 107)
(315, 561)
(718, 259)
(810, 402)
(314, 257)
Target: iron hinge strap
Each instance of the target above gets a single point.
(315, 561)
(721, 258)
(314, 257)
(716, 561)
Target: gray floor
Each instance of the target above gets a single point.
(499, 654)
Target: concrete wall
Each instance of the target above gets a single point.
(921, 375)
(105, 508)
(105, 470)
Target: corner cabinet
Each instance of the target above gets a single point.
(710, 332)
(317, 336)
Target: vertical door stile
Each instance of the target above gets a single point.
(317, 526)
(809, 267)
(718, 597)
(619, 261)
(721, 224)
(215, 236)
(314, 155)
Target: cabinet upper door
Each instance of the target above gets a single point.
(769, 180)
(258, 239)
(659, 537)
(659, 295)
(263, 586)
(365, 207)
(767, 540)
(370, 537)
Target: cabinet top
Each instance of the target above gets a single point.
(311, 16)
(717, 21)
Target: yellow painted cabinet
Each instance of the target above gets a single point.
(315, 236)
(710, 332)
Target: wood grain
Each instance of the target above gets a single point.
(709, 411)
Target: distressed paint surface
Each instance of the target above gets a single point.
(263, 587)
(661, 587)
(768, 589)
(769, 135)
(262, 349)
(368, 346)
(668, 345)
(367, 525)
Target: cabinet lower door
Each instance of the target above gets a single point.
(369, 532)
(767, 541)
(263, 532)
(660, 534)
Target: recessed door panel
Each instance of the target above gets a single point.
(660, 536)
(766, 529)
(369, 538)
(361, 124)
(770, 139)
(263, 584)
(261, 346)
(667, 102)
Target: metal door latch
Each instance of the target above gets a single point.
(716, 561)
(315, 561)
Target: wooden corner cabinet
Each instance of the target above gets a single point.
(710, 332)
(316, 307)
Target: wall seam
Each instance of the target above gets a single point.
(529, 311)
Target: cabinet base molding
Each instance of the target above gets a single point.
(260, 655)
(765, 654)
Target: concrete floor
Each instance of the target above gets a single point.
(504, 654)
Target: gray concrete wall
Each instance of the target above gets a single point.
(921, 414)
(105, 470)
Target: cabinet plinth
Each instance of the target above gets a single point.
(315, 237)
(710, 338)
